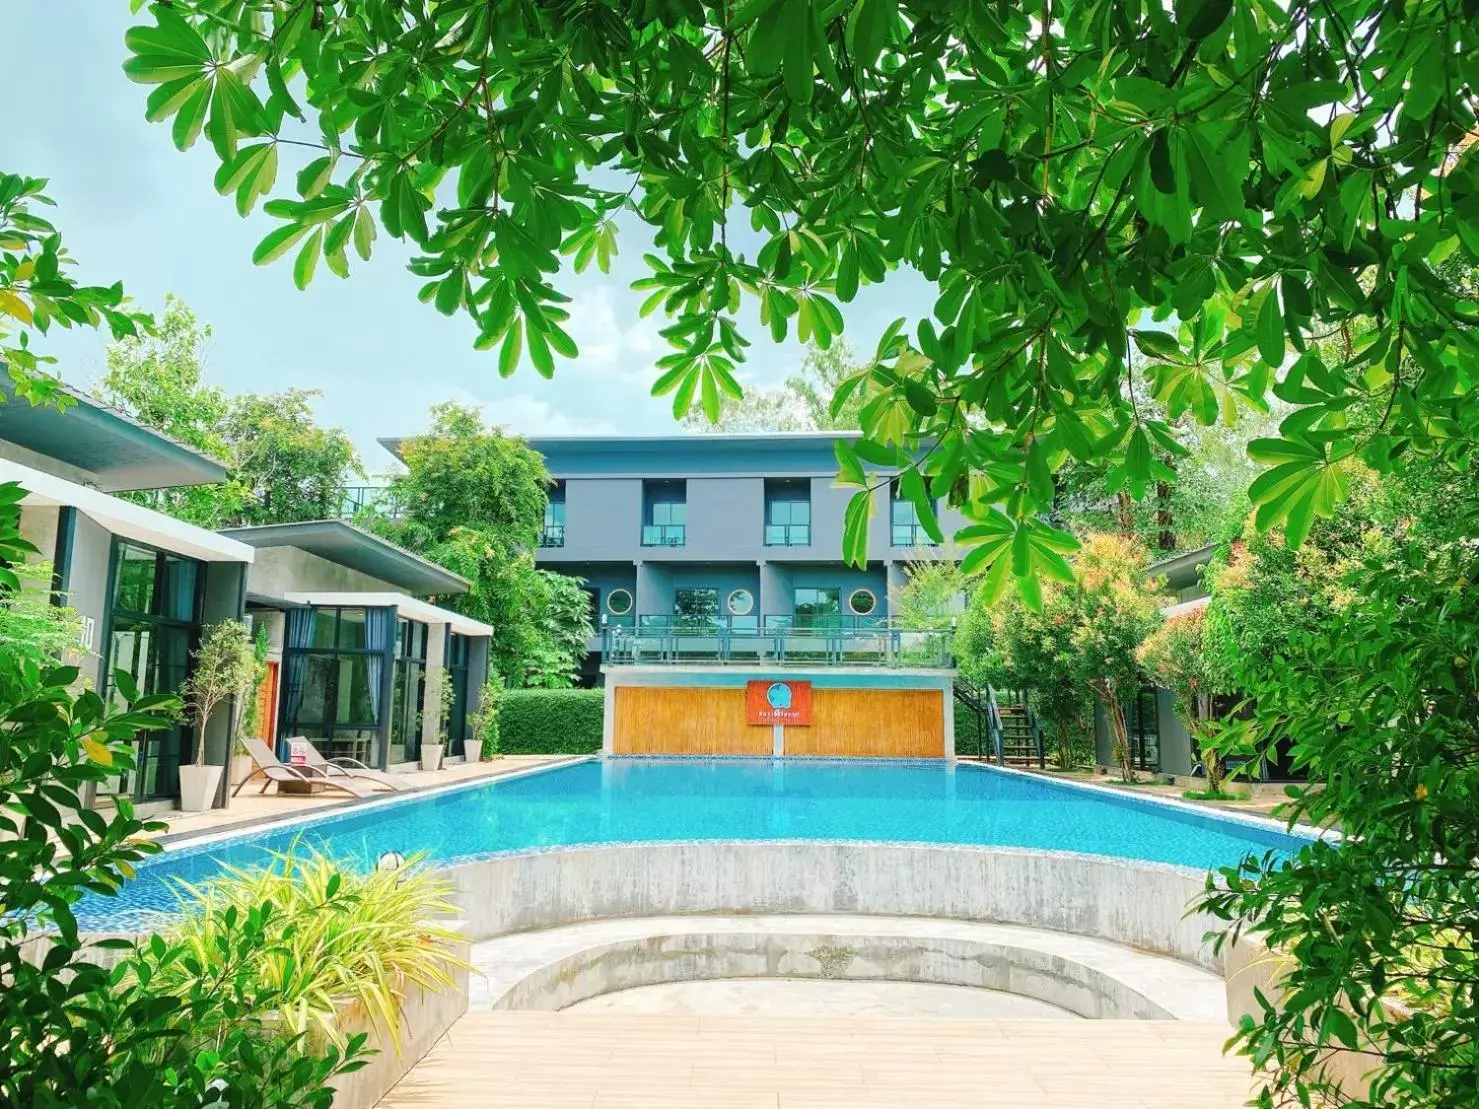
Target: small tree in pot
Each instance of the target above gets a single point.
(224, 666)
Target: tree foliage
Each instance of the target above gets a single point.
(1067, 175)
(1175, 656)
(283, 467)
(803, 402)
(38, 291)
(472, 499)
(222, 667)
(1376, 700)
(72, 1030)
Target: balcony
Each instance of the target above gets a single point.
(788, 535)
(553, 535)
(911, 535)
(664, 535)
(354, 499)
(773, 641)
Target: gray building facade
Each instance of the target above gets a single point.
(744, 530)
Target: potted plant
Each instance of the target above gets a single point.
(439, 699)
(224, 667)
(251, 723)
(482, 726)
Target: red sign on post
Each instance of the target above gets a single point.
(779, 702)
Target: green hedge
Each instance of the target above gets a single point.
(551, 721)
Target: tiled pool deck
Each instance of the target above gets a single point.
(531, 1060)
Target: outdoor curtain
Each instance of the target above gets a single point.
(380, 642)
(296, 638)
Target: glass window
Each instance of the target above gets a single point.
(695, 606)
(741, 602)
(180, 581)
(133, 587)
(664, 513)
(324, 620)
(787, 512)
(154, 625)
(351, 629)
(862, 602)
(619, 602)
(813, 603)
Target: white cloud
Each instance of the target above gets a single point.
(613, 341)
(526, 415)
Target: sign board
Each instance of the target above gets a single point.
(778, 702)
(298, 752)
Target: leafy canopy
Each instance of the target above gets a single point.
(37, 291)
(1069, 175)
(803, 402)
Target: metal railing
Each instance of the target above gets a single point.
(911, 535)
(788, 535)
(733, 640)
(354, 499)
(553, 535)
(664, 535)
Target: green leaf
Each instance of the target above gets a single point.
(308, 259)
(364, 233)
(1156, 344)
(512, 350)
(1270, 329)
(855, 528)
(277, 243)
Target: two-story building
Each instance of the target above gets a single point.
(739, 530)
(352, 635)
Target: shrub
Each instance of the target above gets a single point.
(483, 725)
(333, 937)
(551, 721)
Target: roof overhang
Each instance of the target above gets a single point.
(119, 452)
(409, 607)
(1185, 607)
(131, 521)
(346, 545)
(1184, 569)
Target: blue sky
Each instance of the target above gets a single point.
(132, 208)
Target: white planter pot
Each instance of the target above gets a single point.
(431, 756)
(198, 785)
(241, 768)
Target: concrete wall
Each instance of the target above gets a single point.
(1045, 975)
(657, 583)
(87, 584)
(280, 570)
(39, 528)
(1142, 905)
(726, 523)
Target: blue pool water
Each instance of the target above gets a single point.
(635, 800)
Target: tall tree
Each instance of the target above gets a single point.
(283, 466)
(473, 499)
(1063, 172)
(801, 403)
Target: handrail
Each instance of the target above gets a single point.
(667, 643)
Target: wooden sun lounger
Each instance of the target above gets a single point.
(273, 769)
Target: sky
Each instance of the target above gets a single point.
(131, 207)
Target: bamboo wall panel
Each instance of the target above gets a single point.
(873, 723)
(674, 720)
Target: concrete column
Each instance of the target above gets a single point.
(948, 698)
(436, 659)
(775, 590)
(608, 717)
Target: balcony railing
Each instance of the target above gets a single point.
(664, 535)
(354, 499)
(772, 641)
(912, 535)
(788, 535)
(553, 535)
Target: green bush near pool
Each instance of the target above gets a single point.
(551, 721)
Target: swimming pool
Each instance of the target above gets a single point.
(647, 800)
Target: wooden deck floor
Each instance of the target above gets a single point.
(535, 1060)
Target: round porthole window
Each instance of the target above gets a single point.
(741, 602)
(619, 602)
(862, 602)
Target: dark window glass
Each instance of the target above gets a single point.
(180, 589)
(695, 607)
(324, 620)
(815, 602)
(318, 691)
(133, 589)
(351, 629)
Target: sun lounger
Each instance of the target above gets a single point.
(273, 769)
(344, 766)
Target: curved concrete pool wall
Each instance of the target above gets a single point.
(1141, 905)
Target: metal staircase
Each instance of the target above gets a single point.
(1003, 726)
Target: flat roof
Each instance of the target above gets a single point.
(409, 607)
(1184, 569)
(343, 543)
(120, 452)
(714, 442)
